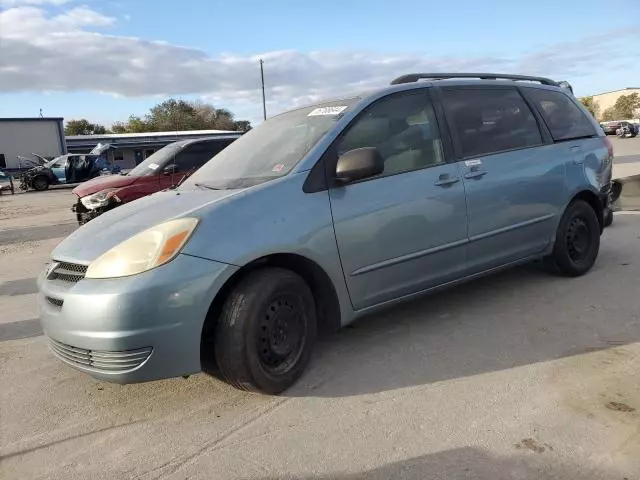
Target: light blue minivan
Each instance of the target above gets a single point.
(323, 214)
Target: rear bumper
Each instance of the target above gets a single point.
(133, 329)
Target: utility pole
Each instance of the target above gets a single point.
(264, 102)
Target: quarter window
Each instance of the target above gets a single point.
(403, 128)
(487, 121)
(563, 117)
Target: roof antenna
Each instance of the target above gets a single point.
(41, 116)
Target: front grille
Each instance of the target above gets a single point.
(68, 272)
(56, 302)
(101, 361)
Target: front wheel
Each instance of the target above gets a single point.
(266, 331)
(577, 240)
(40, 184)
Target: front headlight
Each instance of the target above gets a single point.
(100, 199)
(146, 250)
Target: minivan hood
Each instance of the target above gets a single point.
(115, 226)
(104, 182)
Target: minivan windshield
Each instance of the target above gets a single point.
(272, 149)
(157, 160)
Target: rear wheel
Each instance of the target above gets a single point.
(40, 183)
(577, 241)
(266, 331)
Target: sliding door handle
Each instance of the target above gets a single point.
(475, 174)
(446, 180)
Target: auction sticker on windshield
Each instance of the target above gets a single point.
(327, 110)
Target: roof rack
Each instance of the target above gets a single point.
(414, 77)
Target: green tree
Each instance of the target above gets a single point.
(181, 115)
(243, 125)
(591, 105)
(212, 118)
(83, 127)
(609, 114)
(133, 125)
(626, 105)
(173, 115)
(119, 127)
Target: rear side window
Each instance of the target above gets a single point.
(563, 117)
(486, 121)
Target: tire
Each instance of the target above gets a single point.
(608, 217)
(266, 331)
(40, 183)
(577, 241)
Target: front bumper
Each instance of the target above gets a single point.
(132, 329)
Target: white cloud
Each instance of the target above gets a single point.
(44, 51)
(17, 3)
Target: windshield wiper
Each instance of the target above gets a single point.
(208, 187)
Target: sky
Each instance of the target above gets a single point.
(104, 60)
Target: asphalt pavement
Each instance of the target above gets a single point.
(520, 375)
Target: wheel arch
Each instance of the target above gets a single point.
(322, 288)
(594, 201)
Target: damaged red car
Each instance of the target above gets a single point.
(166, 168)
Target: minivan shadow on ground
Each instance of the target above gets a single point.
(471, 464)
(515, 318)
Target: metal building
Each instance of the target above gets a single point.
(24, 136)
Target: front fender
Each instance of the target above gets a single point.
(270, 219)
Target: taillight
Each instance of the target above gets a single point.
(609, 145)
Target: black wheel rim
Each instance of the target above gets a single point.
(282, 335)
(578, 240)
(40, 184)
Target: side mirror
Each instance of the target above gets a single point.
(170, 169)
(358, 164)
